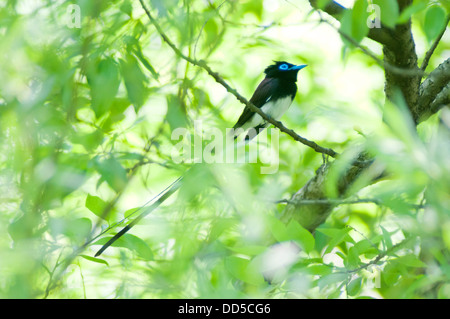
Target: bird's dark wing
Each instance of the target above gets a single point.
(262, 94)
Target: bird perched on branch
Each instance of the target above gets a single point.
(273, 96)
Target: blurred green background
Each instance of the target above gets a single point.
(86, 117)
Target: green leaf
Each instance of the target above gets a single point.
(365, 247)
(435, 19)
(354, 287)
(340, 254)
(386, 238)
(444, 291)
(354, 22)
(113, 173)
(390, 274)
(132, 212)
(352, 260)
(96, 205)
(96, 260)
(249, 250)
(389, 12)
(138, 52)
(336, 235)
(410, 260)
(103, 79)
(196, 181)
(446, 234)
(331, 279)
(445, 4)
(130, 156)
(414, 8)
(211, 30)
(296, 232)
(79, 229)
(118, 107)
(320, 270)
(398, 119)
(176, 115)
(360, 14)
(244, 270)
(139, 29)
(321, 4)
(221, 225)
(130, 242)
(126, 8)
(278, 229)
(255, 7)
(90, 141)
(135, 81)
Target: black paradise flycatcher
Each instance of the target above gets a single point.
(273, 96)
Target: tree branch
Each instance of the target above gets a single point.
(337, 202)
(404, 56)
(433, 92)
(379, 257)
(399, 53)
(381, 35)
(393, 68)
(312, 215)
(441, 100)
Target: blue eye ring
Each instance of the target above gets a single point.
(283, 67)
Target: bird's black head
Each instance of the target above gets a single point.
(283, 70)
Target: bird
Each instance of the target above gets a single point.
(274, 95)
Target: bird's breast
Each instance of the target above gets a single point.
(275, 109)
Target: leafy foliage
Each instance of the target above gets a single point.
(86, 118)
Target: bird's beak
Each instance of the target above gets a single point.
(298, 67)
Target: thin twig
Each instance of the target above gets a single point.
(430, 52)
(82, 279)
(329, 201)
(339, 202)
(51, 273)
(364, 236)
(203, 26)
(379, 257)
